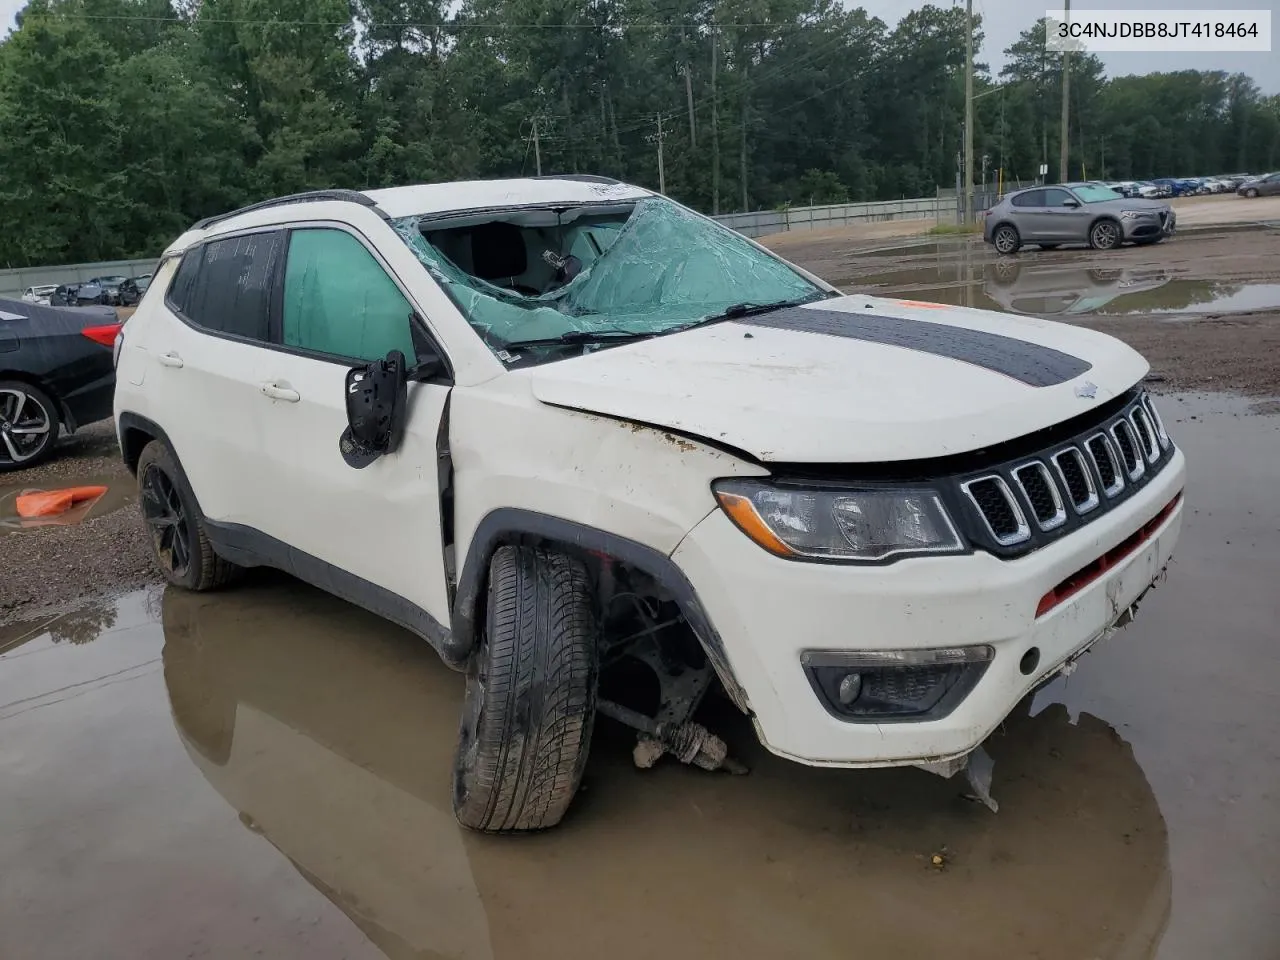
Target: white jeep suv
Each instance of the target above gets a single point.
(562, 426)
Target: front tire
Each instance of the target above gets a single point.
(1105, 235)
(1006, 239)
(179, 544)
(1251, 194)
(531, 695)
(28, 425)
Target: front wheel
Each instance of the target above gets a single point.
(1105, 235)
(1006, 239)
(531, 695)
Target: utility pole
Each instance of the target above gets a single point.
(715, 124)
(967, 181)
(1066, 85)
(688, 92)
(662, 176)
(537, 147)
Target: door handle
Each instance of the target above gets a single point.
(170, 359)
(277, 392)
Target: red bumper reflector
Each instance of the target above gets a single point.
(105, 335)
(1069, 587)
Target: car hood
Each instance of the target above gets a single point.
(1132, 203)
(851, 380)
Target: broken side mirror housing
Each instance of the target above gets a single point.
(376, 402)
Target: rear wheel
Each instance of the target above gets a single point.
(1105, 235)
(1251, 193)
(1006, 239)
(179, 544)
(28, 425)
(531, 695)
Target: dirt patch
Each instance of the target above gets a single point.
(66, 567)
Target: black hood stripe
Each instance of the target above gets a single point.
(1028, 363)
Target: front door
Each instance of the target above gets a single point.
(1065, 219)
(341, 308)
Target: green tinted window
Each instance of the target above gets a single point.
(338, 299)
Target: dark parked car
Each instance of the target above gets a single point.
(131, 290)
(56, 369)
(1267, 185)
(110, 288)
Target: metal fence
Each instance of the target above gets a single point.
(764, 222)
(14, 282)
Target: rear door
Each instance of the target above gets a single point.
(204, 365)
(1030, 216)
(341, 306)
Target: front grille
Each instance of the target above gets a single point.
(1014, 508)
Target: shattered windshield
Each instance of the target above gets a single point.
(640, 268)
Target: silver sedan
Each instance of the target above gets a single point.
(1075, 213)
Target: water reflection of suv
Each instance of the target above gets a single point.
(555, 424)
(1065, 291)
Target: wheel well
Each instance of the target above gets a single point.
(1006, 223)
(1104, 216)
(618, 567)
(132, 442)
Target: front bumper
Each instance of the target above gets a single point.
(1146, 228)
(768, 611)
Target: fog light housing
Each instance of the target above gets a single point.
(894, 686)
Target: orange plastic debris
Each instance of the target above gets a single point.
(50, 503)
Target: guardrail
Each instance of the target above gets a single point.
(14, 281)
(765, 222)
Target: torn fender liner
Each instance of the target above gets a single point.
(1028, 363)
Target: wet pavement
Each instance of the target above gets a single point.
(266, 772)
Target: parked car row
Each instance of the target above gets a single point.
(108, 291)
(1164, 187)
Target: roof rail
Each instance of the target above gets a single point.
(580, 177)
(345, 196)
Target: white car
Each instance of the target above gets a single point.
(553, 424)
(39, 294)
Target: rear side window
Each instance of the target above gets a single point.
(338, 300)
(1032, 198)
(225, 286)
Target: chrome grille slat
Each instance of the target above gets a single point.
(987, 484)
(1079, 469)
(1146, 433)
(1152, 412)
(1127, 443)
(1111, 459)
(1055, 514)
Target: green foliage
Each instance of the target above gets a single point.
(123, 121)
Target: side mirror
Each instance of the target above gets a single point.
(376, 397)
(1071, 203)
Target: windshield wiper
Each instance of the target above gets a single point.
(749, 309)
(572, 338)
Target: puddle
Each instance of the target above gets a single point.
(270, 773)
(119, 494)
(1055, 290)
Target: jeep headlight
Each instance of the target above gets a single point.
(839, 524)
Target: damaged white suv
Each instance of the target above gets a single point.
(559, 425)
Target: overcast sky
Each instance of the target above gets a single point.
(1003, 20)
